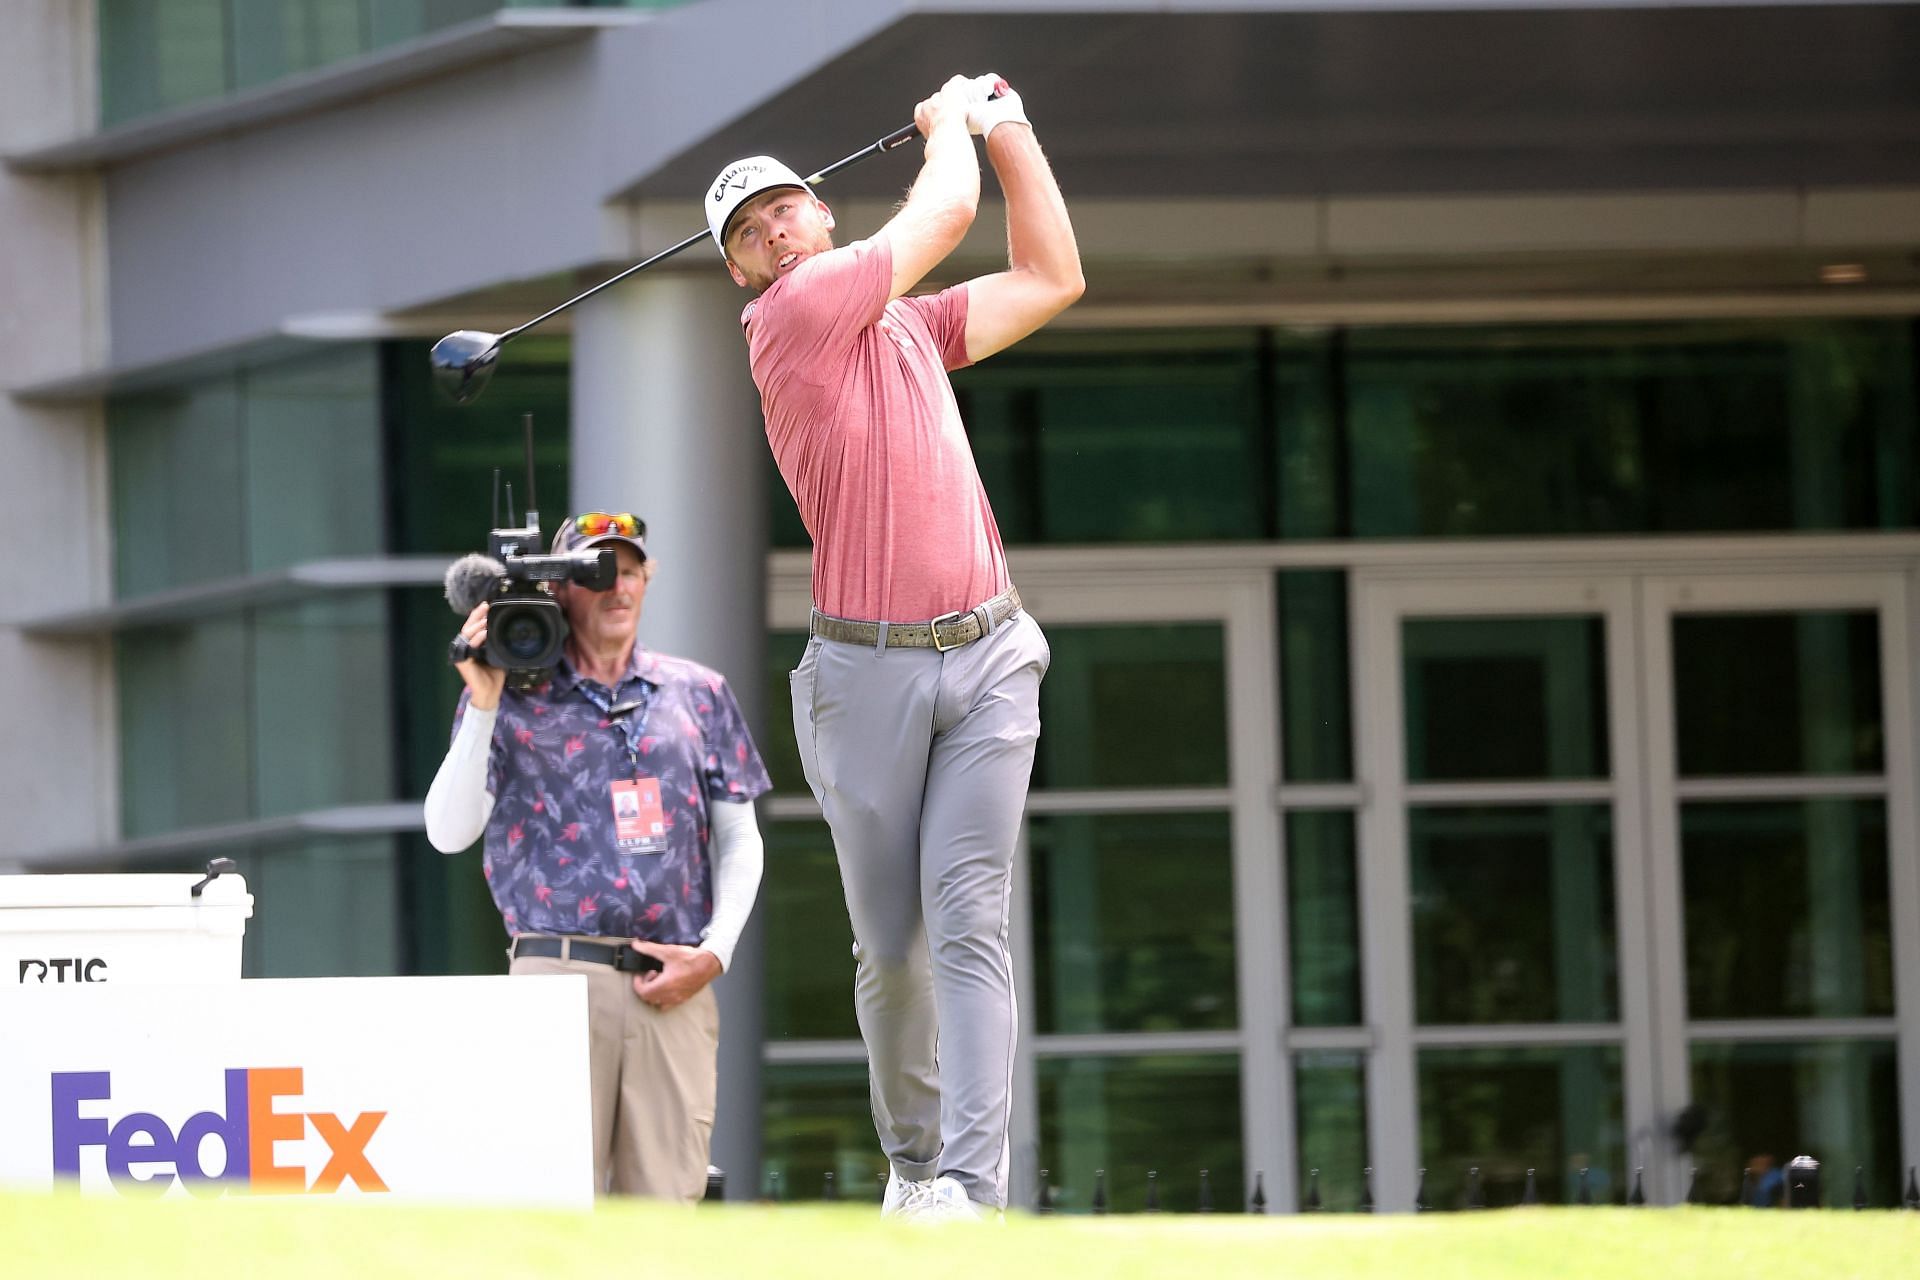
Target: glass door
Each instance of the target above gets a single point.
(1640, 902)
(1142, 918)
(1132, 1050)
(1502, 888)
(1781, 776)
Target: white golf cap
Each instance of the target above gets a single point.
(740, 182)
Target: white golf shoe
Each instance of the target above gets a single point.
(902, 1195)
(941, 1200)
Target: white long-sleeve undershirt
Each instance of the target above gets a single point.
(459, 804)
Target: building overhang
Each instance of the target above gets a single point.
(1256, 139)
(1290, 99)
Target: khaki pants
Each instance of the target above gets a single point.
(655, 1076)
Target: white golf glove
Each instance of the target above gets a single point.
(984, 112)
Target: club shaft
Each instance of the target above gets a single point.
(895, 139)
(888, 143)
(608, 283)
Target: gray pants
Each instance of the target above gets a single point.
(920, 761)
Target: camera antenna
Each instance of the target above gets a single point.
(496, 498)
(533, 507)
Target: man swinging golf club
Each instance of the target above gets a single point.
(916, 704)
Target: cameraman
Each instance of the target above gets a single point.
(616, 800)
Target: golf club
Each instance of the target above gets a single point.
(463, 361)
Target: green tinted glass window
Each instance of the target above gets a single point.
(159, 54)
(1777, 693)
(1323, 918)
(1547, 676)
(1308, 418)
(390, 21)
(780, 751)
(1134, 707)
(1128, 1117)
(260, 714)
(1504, 1111)
(272, 38)
(809, 993)
(424, 626)
(1445, 431)
(185, 746)
(1330, 1109)
(1766, 1103)
(1123, 437)
(1317, 734)
(324, 908)
(1132, 922)
(311, 446)
(452, 925)
(817, 1120)
(1704, 427)
(1513, 914)
(176, 465)
(322, 728)
(446, 453)
(1787, 912)
(247, 473)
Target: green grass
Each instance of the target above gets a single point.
(64, 1235)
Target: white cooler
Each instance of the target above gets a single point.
(132, 929)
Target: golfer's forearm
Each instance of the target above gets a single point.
(937, 212)
(948, 185)
(1040, 238)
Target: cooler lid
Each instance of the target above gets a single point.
(36, 891)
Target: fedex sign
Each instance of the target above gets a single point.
(326, 1089)
(248, 1128)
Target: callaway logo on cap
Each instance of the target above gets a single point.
(740, 182)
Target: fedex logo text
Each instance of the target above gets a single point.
(248, 1130)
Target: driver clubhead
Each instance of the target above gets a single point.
(463, 362)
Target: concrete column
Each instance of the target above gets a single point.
(666, 423)
(58, 780)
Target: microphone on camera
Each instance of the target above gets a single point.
(470, 579)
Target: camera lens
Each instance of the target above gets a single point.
(524, 634)
(525, 637)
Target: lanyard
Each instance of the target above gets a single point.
(629, 717)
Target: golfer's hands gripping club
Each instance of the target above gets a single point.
(947, 107)
(993, 102)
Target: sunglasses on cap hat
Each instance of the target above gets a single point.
(600, 524)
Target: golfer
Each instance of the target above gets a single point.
(916, 703)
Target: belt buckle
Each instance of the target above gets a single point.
(627, 960)
(933, 629)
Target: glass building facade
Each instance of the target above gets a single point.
(162, 55)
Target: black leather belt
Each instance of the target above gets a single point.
(625, 959)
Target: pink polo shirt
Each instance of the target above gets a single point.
(866, 433)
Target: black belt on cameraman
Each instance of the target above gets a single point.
(948, 631)
(623, 958)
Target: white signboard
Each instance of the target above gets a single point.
(472, 1089)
